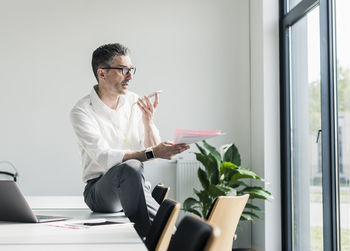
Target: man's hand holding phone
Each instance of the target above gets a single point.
(147, 107)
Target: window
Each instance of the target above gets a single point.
(313, 128)
(343, 94)
(305, 117)
(292, 3)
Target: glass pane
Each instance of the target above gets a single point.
(292, 4)
(343, 89)
(305, 125)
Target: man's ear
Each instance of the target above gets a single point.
(100, 73)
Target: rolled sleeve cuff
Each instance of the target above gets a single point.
(115, 157)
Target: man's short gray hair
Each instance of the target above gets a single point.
(104, 55)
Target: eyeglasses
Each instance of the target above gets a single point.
(125, 70)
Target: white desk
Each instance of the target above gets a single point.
(51, 236)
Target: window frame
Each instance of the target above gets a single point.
(330, 172)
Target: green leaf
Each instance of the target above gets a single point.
(201, 149)
(237, 183)
(244, 173)
(204, 197)
(190, 203)
(256, 188)
(232, 155)
(256, 192)
(228, 169)
(213, 151)
(252, 214)
(210, 165)
(224, 188)
(203, 178)
(213, 169)
(206, 207)
(253, 207)
(225, 166)
(205, 160)
(245, 216)
(194, 211)
(215, 191)
(206, 200)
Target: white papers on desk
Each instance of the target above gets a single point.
(193, 136)
(84, 224)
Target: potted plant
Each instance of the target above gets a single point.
(222, 175)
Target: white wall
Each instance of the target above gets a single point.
(217, 63)
(265, 119)
(196, 51)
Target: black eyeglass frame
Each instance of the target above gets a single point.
(125, 70)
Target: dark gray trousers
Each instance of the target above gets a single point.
(123, 187)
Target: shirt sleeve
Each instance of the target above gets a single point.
(92, 142)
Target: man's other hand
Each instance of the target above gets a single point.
(167, 149)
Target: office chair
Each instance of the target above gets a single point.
(13, 174)
(225, 214)
(159, 235)
(160, 193)
(194, 234)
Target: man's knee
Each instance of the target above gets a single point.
(132, 168)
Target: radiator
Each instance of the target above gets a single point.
(186, 179)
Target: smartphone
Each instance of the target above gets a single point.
(102, 223)
(154, 93)
(151, 95)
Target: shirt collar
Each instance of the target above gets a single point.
(99, 105)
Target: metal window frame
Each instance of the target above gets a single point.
(330, 175)
(331, 237)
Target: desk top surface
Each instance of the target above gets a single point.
(62, 236)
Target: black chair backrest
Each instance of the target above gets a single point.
(159, 193)
(191, 235)
(158, 224)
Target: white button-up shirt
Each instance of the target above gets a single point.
(104, 134)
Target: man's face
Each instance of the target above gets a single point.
(114, 79)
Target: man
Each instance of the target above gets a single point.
(116, 133)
